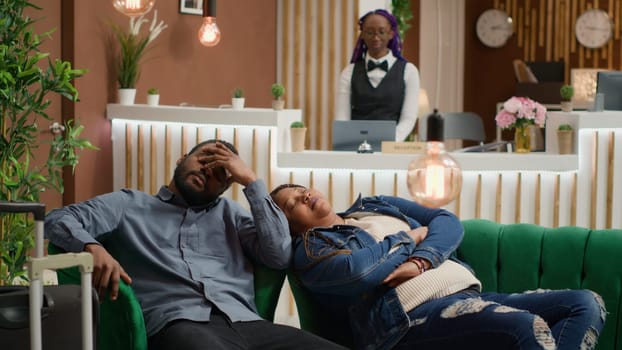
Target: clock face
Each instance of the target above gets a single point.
(593, 28)
(494, 28)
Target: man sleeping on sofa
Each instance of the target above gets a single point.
(188, 253)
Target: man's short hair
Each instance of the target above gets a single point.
(229, 145)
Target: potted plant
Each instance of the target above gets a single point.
(28, 77)
(566, 92)
(237, 99)
(298, 133)
(565, 138)
(132, 47)
(153, 96)
(521, 113)
(278, 90)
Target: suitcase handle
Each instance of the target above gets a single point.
(37, 209)
(14, 308)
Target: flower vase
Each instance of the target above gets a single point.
(522, 140)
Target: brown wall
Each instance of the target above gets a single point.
(246, 57)
(178, 65)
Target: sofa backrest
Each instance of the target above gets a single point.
(517, 257)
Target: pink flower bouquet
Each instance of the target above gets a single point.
(519, 112)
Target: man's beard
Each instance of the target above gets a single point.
(192, 197)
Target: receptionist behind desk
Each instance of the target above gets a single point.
(379, 84)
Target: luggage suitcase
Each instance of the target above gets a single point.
(42, 303)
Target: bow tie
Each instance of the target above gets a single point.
(371, 65)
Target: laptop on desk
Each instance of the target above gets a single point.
(349, 134)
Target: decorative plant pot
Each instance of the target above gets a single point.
(566, 106)
(278, 105)
(153, 100)
(127, 96)
(522, 140)
(298, 136)
(565, 143)
(237, 103)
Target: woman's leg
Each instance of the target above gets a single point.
(575, 317)
(466, 321)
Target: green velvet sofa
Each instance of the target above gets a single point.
(518, 257)
(506, 258)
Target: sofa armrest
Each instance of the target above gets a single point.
(121, 325)
(268, 285)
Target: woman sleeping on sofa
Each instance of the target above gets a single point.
(387, 263)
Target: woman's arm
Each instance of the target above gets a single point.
(445, 231)
(343, 108)
(410, 107)
(324, 268)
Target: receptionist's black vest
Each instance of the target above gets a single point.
(381, 103)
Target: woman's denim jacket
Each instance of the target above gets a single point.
(348, 265)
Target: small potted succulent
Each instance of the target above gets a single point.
(298, 133)
(565, 138)
(566, 92)
(237, 99)
(278, 90)
(153, 97)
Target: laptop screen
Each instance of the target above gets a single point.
(349, 134)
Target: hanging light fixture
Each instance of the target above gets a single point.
(435, 178)
(133, 8)
(209, 33)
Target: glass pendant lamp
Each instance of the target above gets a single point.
(434, 178)
(133, 8)
(209, 33)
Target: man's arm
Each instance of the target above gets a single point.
(76, 227)
(265, 234)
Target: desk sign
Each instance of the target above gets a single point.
(402, 147)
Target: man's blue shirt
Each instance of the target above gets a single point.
(182, 260)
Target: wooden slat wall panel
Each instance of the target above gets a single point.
(318, 38)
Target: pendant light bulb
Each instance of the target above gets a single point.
(434, 179)
(133, 8)
(209, 33)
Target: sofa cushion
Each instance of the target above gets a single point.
(517, 257)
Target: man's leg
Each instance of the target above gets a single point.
(264, 335)
(216, 334)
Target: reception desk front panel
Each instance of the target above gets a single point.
(543, 188)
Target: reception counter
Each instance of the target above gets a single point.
(584, 188)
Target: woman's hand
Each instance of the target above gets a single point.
(402, 273)
(418, 234)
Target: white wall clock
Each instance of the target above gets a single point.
(594, 28)
(494, 28)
